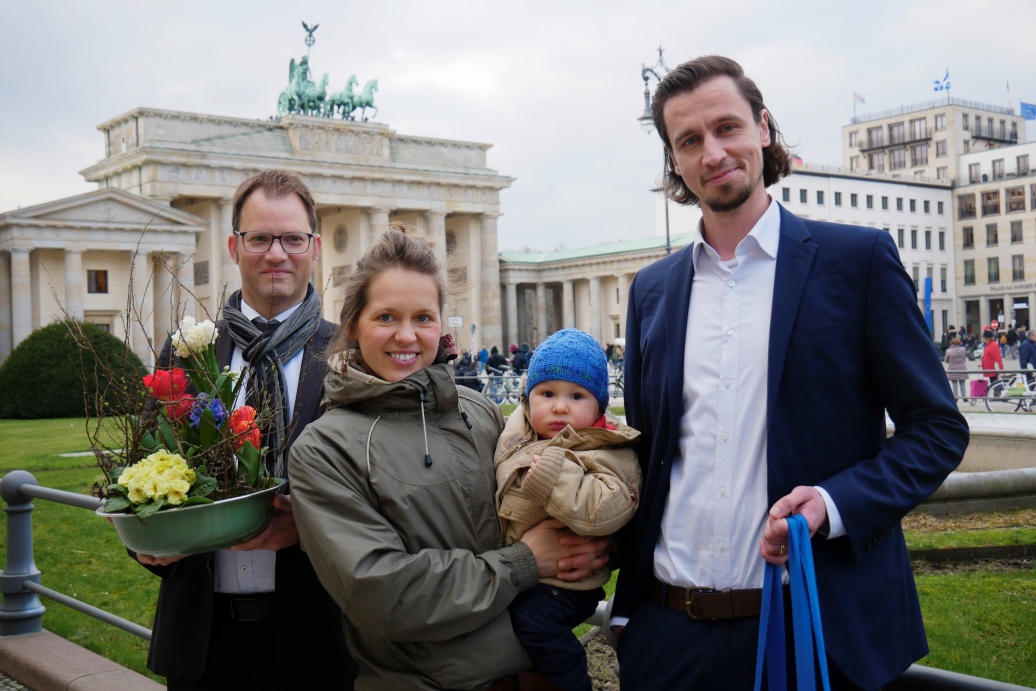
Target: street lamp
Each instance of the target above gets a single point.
(647, 123)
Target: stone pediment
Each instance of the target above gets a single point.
(112, 208)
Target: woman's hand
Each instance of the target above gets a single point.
(562, 554)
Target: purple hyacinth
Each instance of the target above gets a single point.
(203, 401)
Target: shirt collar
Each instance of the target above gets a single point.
(249, 312)
(765, 235)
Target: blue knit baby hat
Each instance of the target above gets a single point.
(574, 356)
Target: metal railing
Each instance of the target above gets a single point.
(928, 105)
(20, 588)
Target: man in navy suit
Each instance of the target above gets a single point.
(760, 362)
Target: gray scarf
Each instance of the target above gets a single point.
(266, 352)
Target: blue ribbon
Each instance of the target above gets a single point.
(805, 613)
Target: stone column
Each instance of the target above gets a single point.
(379, 221)
(474, 288)
(21, 296)
(5, 306)
(541, 312)
(436, 221)
(595, 308)
(492, 328)
(568, 305)
(624, 295)
(141, 327)
(164, 292)
(983, 313)
(512, 316)
(231, 277)
(185, 302)
(74, 283)
(217, 252)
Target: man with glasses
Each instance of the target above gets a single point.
(255, 616)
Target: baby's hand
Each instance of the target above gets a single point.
(533, 462)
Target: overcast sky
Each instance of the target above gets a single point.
(554, 86)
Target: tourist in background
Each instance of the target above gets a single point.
(957, 367)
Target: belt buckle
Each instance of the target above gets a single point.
(689, 602)
(252, 609)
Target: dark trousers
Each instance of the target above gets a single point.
(664, 650)
(543, 619)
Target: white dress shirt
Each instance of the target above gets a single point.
(254, 571)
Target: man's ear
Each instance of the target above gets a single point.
(672, 161)
(232, 247)
(764, 128)
(319, 246)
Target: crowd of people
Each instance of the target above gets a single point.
(426, 543)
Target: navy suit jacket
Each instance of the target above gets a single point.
(308, 621)
(847, 341)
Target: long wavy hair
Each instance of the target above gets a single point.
(688, 77)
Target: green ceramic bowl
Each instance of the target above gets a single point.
(196, 529)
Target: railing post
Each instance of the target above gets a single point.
(20, 609)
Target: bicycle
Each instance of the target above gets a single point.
(1010, 393)
(502, 385)
(617, 385)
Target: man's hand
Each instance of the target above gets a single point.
(280, 532)
(148, 560)
(803, 500)
(562, 554)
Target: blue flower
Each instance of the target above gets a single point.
(203, 401)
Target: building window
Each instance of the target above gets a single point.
(1015, 199)
(1018, 267)
(897, 159)
(940, 148)
(853, 137)
(885, 203)
(915, 273)
(901, 235)
(913, 238)
(998, 169)
(938, 206)
(1032, 197)
(875, 138)
(928, 239)
(1016, 232)
(973, 173)
(991, 203)
(941, 173)
(913, 206)
(897, 133)
(969, 272)
(993, 269)
(942, 279)
(854, 164)
(919, 128)
(870, 198)
(853, 200)
(992, 238)
(919, 155)
(927, 206)
(964, 122)
(201, 273)
(820, 197)
(785, 194)
(940, 121)
(838, 198)
(1023, 165)
(942, 241)
(803, 196)
(96, 281)
(967, 234)
(967, 146)
(876, 162)
(966, 206)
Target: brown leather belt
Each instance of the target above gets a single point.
(524, 681)
(708, 603)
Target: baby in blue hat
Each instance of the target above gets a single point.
(560, 457)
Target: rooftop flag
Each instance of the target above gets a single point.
(1028, 111)
(857, 98)
(943, 84)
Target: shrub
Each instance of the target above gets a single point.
(53, 372)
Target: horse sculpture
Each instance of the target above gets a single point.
(342, 101)
(313, 95)
(366, 99)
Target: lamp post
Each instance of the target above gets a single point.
(647, 122)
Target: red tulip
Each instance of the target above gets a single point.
(179, 408)
(167, 384)
(242, 422)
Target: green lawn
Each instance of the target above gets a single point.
(979, 623)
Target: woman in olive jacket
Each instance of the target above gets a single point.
(393, 492)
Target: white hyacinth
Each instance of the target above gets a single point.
(193, 338)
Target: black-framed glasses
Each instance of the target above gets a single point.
(259, 242)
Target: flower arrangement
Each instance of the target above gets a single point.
(182, 448)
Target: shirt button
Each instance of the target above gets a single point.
(730, 283)
(244, 568)
(728, 383)
(724, 436)
(730, 332)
